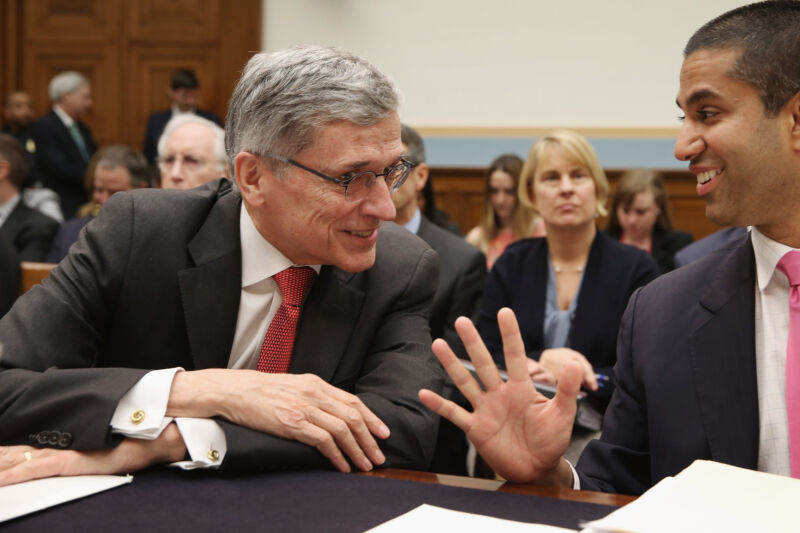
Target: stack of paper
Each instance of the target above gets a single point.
(709, 496)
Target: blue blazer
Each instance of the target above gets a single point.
(156, 123)
(686, 377)
(519, 280)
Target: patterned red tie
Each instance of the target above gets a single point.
(276, 351)
(790, 265)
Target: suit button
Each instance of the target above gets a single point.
(42, 437)
(65, 440)
(33, 438)
(137, 417)
(52, 438)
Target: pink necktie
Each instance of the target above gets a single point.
(790, 265)
(276, 351)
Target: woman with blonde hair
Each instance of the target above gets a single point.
(504, 220)
(640, 217)
(570, 288)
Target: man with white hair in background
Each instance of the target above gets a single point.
(64, 144)
(191, 152)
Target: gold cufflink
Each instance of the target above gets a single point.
(213, 455)
(137, 416)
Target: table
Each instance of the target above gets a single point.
(171, 500)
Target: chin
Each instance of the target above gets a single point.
(356, 262)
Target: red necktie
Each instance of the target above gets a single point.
(790, 265)
(276, 351)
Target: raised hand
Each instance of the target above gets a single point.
(299, 407)
(520, 433)
(24, 463)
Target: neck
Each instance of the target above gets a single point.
(7, 191)
(640, 241)
(788, 234)
(405, 213)
(570, 246)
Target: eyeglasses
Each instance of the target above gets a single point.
(190, 163)
(357, 184)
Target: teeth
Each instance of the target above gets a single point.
(361, 233)
(705, 177)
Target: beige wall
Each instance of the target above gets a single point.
(511, 63)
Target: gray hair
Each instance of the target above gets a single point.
(190, 118)
(768, 36)
(284, 98)
(65, 83)
(414, 144)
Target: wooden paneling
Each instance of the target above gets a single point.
(128, 49)
(459, 192)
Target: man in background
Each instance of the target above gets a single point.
(182, 92)
(28, 231)
(17, 118)
(64, 144)
(114, 169)
(191, 152)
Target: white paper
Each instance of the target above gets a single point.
(709, 496)
(30, 496)
(431, 518)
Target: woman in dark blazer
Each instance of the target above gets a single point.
(640, 217)
(570, 288)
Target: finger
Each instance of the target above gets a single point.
(485, 366)
(589, 377)
(43, 463)
(568, 387)
(462, 378)
(11, 456)
(513, 347)
(543, 376)
(324, 442)
(447, 409)
(345, 438)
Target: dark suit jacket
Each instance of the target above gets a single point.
(29, 232)
(9, 275)
(132, 296)
(462, 271)
(686, 377)
(708, 244)
(58, 163)
(519, 280)
(156, 123)
(66, 236)
(666, 243)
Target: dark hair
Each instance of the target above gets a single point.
(416, 148)
(632, 183)
(119, 155)
(12, 152)
(768, 35)
(183, 78)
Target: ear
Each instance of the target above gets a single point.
(5, 169)
(251, 175)
(423, 171)
(793, 108)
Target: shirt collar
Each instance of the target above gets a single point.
(413, 224)
(260, 259)
(66, 119)
(177, 111)
(8, 207)
(768, 253)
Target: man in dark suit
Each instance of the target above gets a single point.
(17, 118)
(462, 271)
(9, 275)
(702, 351)
(162, 280)
(182, 92)
(26, 229)
(64, 144)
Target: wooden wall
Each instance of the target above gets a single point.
(128, 49)
(459, 192)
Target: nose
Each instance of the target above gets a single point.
(689, 143)
(566, 185)
(378, 202)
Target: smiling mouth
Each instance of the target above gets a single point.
(705, 177)
(361, 233)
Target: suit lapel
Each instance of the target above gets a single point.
(326, 325)
(722, 350)
(66, 138)
(210, 290)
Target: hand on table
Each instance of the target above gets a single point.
(538, 373)
(299, 407)
(554, 361)
(24, 463)
(518, 432)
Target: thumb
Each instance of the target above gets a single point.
(569, 384)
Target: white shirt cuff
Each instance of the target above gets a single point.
(140, 413)
(205, 441)
(576, 481)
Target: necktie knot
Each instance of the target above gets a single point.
(790, 265)
(294, 284)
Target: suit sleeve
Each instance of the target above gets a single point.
(399, 362)
(49, 393)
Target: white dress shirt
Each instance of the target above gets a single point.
(66, 119)
(140, 412)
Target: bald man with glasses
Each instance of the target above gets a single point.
(191, 152)
(281, 322)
